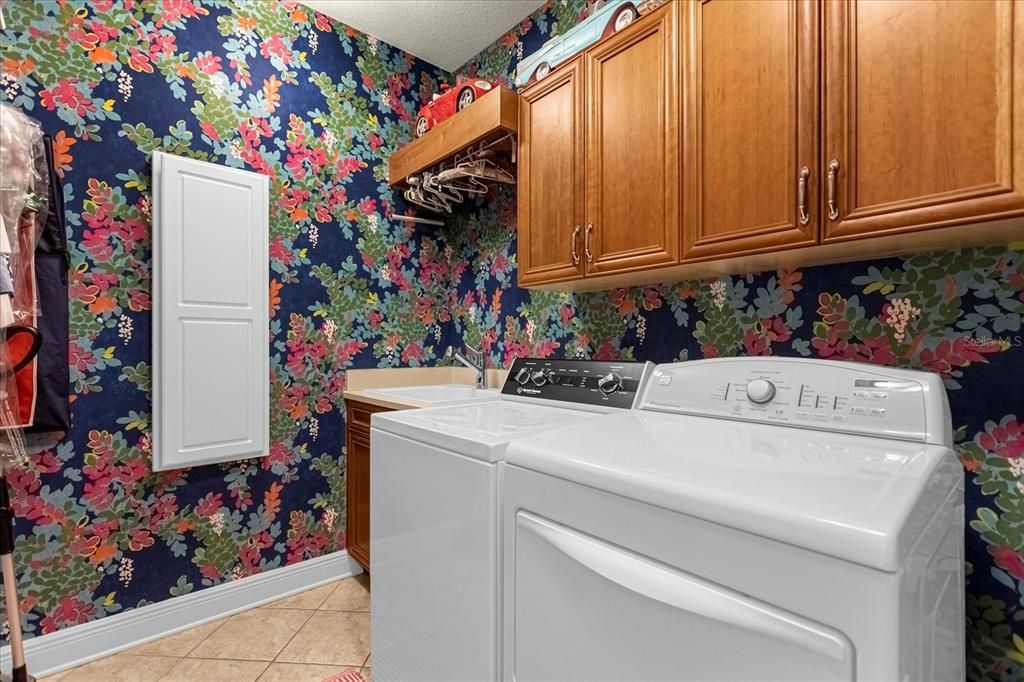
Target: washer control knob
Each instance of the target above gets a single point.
(609, 383)
(760, 391)
(522, 376)
(540, 377)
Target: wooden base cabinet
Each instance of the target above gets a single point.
(924, 114)
(357, 479)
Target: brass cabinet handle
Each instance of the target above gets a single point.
(575, 253)
(586, 243)
(833, 171)
(801, 205)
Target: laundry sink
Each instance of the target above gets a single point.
(437, 394)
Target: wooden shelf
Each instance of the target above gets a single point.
(493, 115)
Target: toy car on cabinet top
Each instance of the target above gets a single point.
(450, 101)
(606, 18)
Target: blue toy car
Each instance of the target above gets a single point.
(610, 18)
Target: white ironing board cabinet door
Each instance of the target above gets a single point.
(210, 311)
(589, 610)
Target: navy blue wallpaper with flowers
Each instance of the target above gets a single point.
(265, 85)
(271, 86)
(957, 313)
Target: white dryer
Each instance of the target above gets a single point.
(434, 532)
(756, 519)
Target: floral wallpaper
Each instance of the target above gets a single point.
(271, 86)
(266, 85)
(957, 313)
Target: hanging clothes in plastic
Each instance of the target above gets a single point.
(24, 211)
(23, 199)
(39, 299)
(23, 202)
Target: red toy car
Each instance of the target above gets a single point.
(450, 101)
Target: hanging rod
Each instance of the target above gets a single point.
(412, 218)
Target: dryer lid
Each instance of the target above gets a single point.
(854, 497)
(480, 430)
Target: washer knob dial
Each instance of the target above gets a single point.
(760, 391)
(609, 383)
(522, 376)
(540, 377)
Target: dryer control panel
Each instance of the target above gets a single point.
(820, 394)
(584, 382)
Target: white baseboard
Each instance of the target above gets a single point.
(80, 644)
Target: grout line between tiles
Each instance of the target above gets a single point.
(270, 612)
(338, 585)
(185, 655)
(330, 594)
(266, 665)
(294, 635)
(334, 586)
(304, 624)
(237, 660)
(196, 645)
(264, 671)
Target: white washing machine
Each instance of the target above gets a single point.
(434, 532)
(756, 519)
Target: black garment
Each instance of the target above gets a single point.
(53, 379)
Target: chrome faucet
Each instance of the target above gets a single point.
(475, 361)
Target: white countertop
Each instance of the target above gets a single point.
(361, 381)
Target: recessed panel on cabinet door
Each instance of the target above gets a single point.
(550, 187)
(633, 146)
(357, 476)
(924, 107)
(753, 127)
(211, 386)
(357, 479)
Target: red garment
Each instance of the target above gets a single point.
(21, 390)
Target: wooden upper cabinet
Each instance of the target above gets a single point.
(924, 114)
(715, 135)
(752, 75)
(551, 178)
(633, 146)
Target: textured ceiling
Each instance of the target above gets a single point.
(446, 33)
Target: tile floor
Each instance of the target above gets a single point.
(308, 636)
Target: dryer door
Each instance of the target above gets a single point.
(589, 610)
